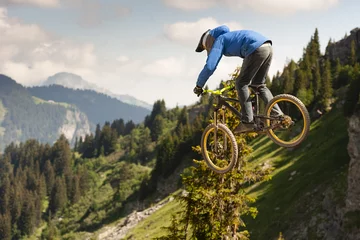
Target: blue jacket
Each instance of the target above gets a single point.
(235, 43)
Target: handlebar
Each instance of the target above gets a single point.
(219, 91)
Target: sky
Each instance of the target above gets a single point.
(146, 48)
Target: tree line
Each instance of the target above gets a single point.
(315, 77)
(104, 141)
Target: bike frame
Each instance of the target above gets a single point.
(223, 102)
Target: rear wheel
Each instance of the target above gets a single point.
(219, 148)
(291, 128)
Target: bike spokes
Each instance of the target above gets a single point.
(288, 121)
(219, 149)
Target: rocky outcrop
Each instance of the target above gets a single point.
(120, 230)
(76, 124)
(353, 193)
(342, 48)
(352, 209)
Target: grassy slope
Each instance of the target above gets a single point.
(41, 101)
(152, 226)
(319, 162)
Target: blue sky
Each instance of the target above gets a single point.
(145, 48)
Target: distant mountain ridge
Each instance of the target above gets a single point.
(44, 113)
(74, 81)
(99, 107)
(24, 117)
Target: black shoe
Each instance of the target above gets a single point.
(245, 127)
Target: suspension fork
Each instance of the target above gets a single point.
(224, 122)
(216, 128)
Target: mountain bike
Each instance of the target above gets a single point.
(288, 129)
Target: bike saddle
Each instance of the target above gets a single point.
(255, 88)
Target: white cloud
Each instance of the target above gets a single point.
(123, 59)
(191, 4)
(38, 3)
(289, 6)
(91, 12)
(265, 6)
(188, 33)
(167, 67)
(29, 54)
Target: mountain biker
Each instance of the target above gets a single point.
(254, 48)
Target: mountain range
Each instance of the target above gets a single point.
(74, 81)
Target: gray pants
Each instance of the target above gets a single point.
(253, 72)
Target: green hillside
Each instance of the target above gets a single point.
(301, 176)
(21, 118)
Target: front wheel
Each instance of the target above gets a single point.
(288, 120)
(219, 148)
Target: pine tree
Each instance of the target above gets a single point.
(97, 142)
(326, 90)
(42, 186)
(61, 155)
(80, 145)
(5, 163)
(75, 195)
(88, 147)
(58, 195)
(37, 209)
(119, 126)
(315, 46)
(336, 74)
(16, 202)
(76, 144)
(108, 139)
(288, 82)
(316, 80)
(182, 127)
(129, 126)
(159, 108)
(31, 181)
(353, 55)
(157, 127)
(143, 144)
(49, 176)
(4, 194)
(68, 177)
(300, 82)
(27, 218)
(5, 227)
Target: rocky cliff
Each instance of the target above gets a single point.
(76, 124)
(342, 48)
(352, 208)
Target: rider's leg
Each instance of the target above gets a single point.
(249, 69)
(260, 79)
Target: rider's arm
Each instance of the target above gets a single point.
(216, 32)
(211, 62)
